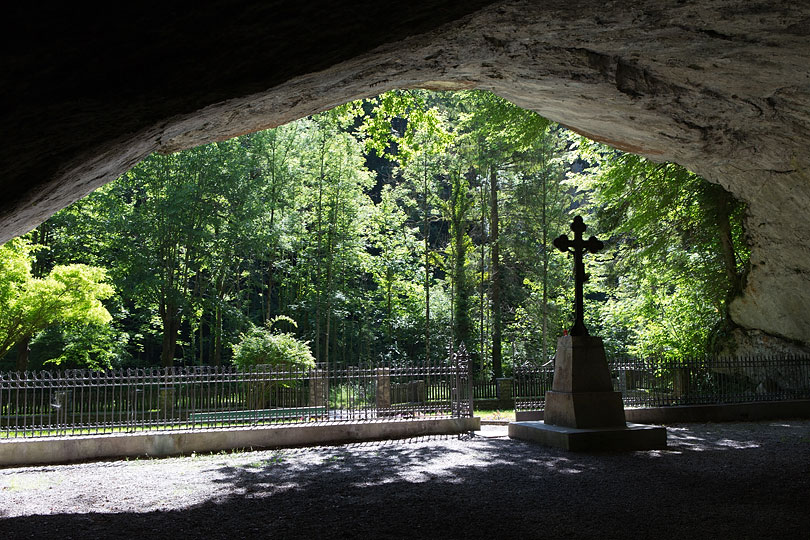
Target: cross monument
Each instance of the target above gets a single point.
(582, 410)
(577, 246)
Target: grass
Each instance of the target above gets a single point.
(12, 433)
(26, 433)
(493, 415)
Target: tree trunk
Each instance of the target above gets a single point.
(461, 316)
(318, 284)
(427, 261)
(23, 351)
(202, 350)
(544, 211)
(269, 300)
(217, 348)
(481, 297)
(497, 367)
(328, 315)
(723, 205)
(171, 326)
(727, 245)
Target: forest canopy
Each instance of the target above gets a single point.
(388, 229)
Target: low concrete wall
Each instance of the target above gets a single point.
(66, 449)
(728, 412)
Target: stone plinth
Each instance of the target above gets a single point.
(582, 410)
(582, 393)
(505, 388)
(627, 437)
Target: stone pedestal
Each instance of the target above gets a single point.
(505, 389)
(582, 395)
(582, 410)
(383, 377)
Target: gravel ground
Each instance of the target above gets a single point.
(740, 480)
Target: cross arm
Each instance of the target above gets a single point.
(562, 243)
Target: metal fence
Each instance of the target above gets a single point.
(485, 389)
(530, 386)
(659, 383)
(81, 402)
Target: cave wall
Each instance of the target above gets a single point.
(721, 87)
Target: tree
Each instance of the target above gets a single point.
(682, 241)
(206, 244)
(457, 209)
(497, 134)
(28, 305)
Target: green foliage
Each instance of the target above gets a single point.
(502, 131)
(95, 346)
(457, 209)
(372, 227)
(424, 133)
(678, 254)
(263, 346)
(68, 294)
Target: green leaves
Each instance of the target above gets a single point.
(263, 346)
(501, 129)
(425, 131)
(68, 294)
(372, 228)
(678, 247)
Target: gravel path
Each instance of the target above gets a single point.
(742, 480)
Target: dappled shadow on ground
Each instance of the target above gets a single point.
(721, 481)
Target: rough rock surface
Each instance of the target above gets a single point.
(721, 86)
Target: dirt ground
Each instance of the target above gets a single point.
(739, 480)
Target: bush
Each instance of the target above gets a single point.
(93, 346)
(266, 346)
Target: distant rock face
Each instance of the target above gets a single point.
(720, 86)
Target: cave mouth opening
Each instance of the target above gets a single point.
(318, 184)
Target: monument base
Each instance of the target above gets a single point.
(584, 410)
(627, 437)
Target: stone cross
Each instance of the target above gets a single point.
(577, 246)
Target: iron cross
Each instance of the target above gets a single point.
(577, 246)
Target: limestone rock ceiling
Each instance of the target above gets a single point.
(720, 86)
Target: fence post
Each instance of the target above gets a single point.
(419, 391)
(383, 376)
(505, 389)
(461, 397)
(470, 390)
(317, 388)
(681, 382)
(166, 400)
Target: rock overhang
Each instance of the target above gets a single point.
(721, 87)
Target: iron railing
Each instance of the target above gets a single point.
(530, 386)
(485, 389)
(82, 402)
(662, 382)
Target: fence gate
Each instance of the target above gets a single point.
(461, 395)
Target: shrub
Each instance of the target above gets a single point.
(265, 346)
